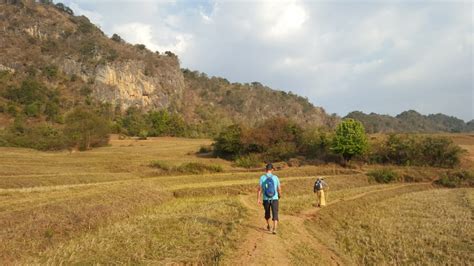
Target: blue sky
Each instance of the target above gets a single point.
(372, 56)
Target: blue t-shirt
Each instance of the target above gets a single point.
(276, 183)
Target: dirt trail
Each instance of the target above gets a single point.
(260, 247)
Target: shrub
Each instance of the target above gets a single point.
(383, 175)
(160, 165)
(407, 150)
(33, 109)
(280, 152)
(50, 71)
(460, 178)
(228, 144)
(249, 161)
(315, 143)
(440, 151)
(187, 168)
(198, 168)
(205, 149)
(141, 47)
(116, 38)
(143, 135)
(85, 129)
(64, 8)
(39, 137)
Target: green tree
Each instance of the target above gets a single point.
(228, 143)
(350, 139)
(85, 129)
(134, 122)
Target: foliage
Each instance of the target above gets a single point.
(133, 122)
(40, 137)
(228, 144)
(249, 161)
(316, 143)
(187, 168)
(85, 129)
(419, 150)
(199, 168)
(64, 8)
(162, 123)
(160, 165)
(36, 98)
(383, 175)
(350, 139)
(50, 71)
(459, 178)
(116, 38)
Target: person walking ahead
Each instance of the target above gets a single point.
(270, 188)
(319, 187)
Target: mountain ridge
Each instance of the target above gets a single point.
(69, 54)
(411, 121)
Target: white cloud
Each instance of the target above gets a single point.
(283, 18)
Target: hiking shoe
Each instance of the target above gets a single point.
(268, 227)
(274, 231)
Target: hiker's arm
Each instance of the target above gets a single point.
(259, 194)
(279, 191)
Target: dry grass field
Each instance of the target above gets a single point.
(108, 206)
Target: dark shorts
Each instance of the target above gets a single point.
(273, 205)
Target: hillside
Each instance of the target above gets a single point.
(411, 121)
(58, 53)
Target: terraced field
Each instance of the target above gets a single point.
(109, 206)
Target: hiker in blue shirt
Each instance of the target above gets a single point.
(271, 190)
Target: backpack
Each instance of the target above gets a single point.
(269, 187)
(318, 185)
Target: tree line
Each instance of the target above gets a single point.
(280, 139)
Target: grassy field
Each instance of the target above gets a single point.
(109, 206)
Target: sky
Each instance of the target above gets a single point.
(372, 56)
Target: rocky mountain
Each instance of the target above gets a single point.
(68, 55)
(411, 121)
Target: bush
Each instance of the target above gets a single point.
(383, 175)
(143, 135)
(402, 149)
(187, 168)
(315, 143)
(33, 109)
(198, 168)
(85, 129)
(280, 152)
(41, 137)
(228, 144)
(249, 161)
(460, 178)
(205, 149)
(116, 38)
(50, 71)
(160, 165)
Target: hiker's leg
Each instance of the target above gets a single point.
(275, 214)
(266, 206)
(322, 200)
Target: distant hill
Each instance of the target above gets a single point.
(411, 121)
(66, 55)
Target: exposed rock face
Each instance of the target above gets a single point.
(125, 84)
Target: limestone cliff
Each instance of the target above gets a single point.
(35, 35)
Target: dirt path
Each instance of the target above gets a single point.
(260, 247)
